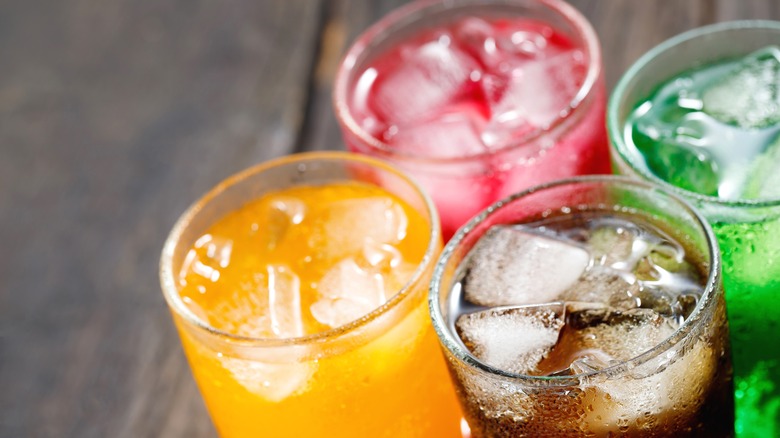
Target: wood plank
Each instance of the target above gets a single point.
(748, 10)
(629, 28)
(114, 116)
(344, 21)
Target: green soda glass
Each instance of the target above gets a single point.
(700, 115)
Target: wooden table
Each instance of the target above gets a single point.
(114, 117)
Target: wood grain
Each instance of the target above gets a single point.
(114, 116)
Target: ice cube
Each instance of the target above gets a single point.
(672, 393)
(282, 213)
(673, 282)
(612, 244)
(681, 153)
(502, 44)
(284, 302)
(577, 153)
(346, 293)
(749, 95)
(685, 304)
(475, 36)
(271, 381)
(210, 254)
(386, 261)
(670, 256)
(525, 43)
(265, 305)
(382, 256)
(425, 79)
(512, 266)
(599, 337)
(692, 169)
(642, 258)
(621, 335)
(350, 223)
(763, 180)
(604, 286)
(512, 339)
(539, 92)
(450, 134)
(657, 300)
(665, 273)
(621, 245)
(493, 87)
(587, 362)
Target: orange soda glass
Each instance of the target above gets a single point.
(298, 288)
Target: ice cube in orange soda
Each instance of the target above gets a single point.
(309, 260)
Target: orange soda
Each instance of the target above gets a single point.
(312, 302)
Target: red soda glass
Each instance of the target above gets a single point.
(477, 99)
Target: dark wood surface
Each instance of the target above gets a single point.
(114, 117)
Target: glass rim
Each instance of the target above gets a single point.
(450, 341)
(615, 129)
(571, 15)
(168, 276)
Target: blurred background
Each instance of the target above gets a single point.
(114, 117)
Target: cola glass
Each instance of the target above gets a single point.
(586, 307)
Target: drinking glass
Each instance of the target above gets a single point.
(464, 175)
(378, 375)
(682, 386)
(748, 230)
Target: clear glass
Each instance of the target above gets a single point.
(380, 373)
(573, 144)
(682, 386)
(748, 230)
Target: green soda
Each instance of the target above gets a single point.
(715, 130)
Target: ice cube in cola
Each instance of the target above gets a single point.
(575, 297)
